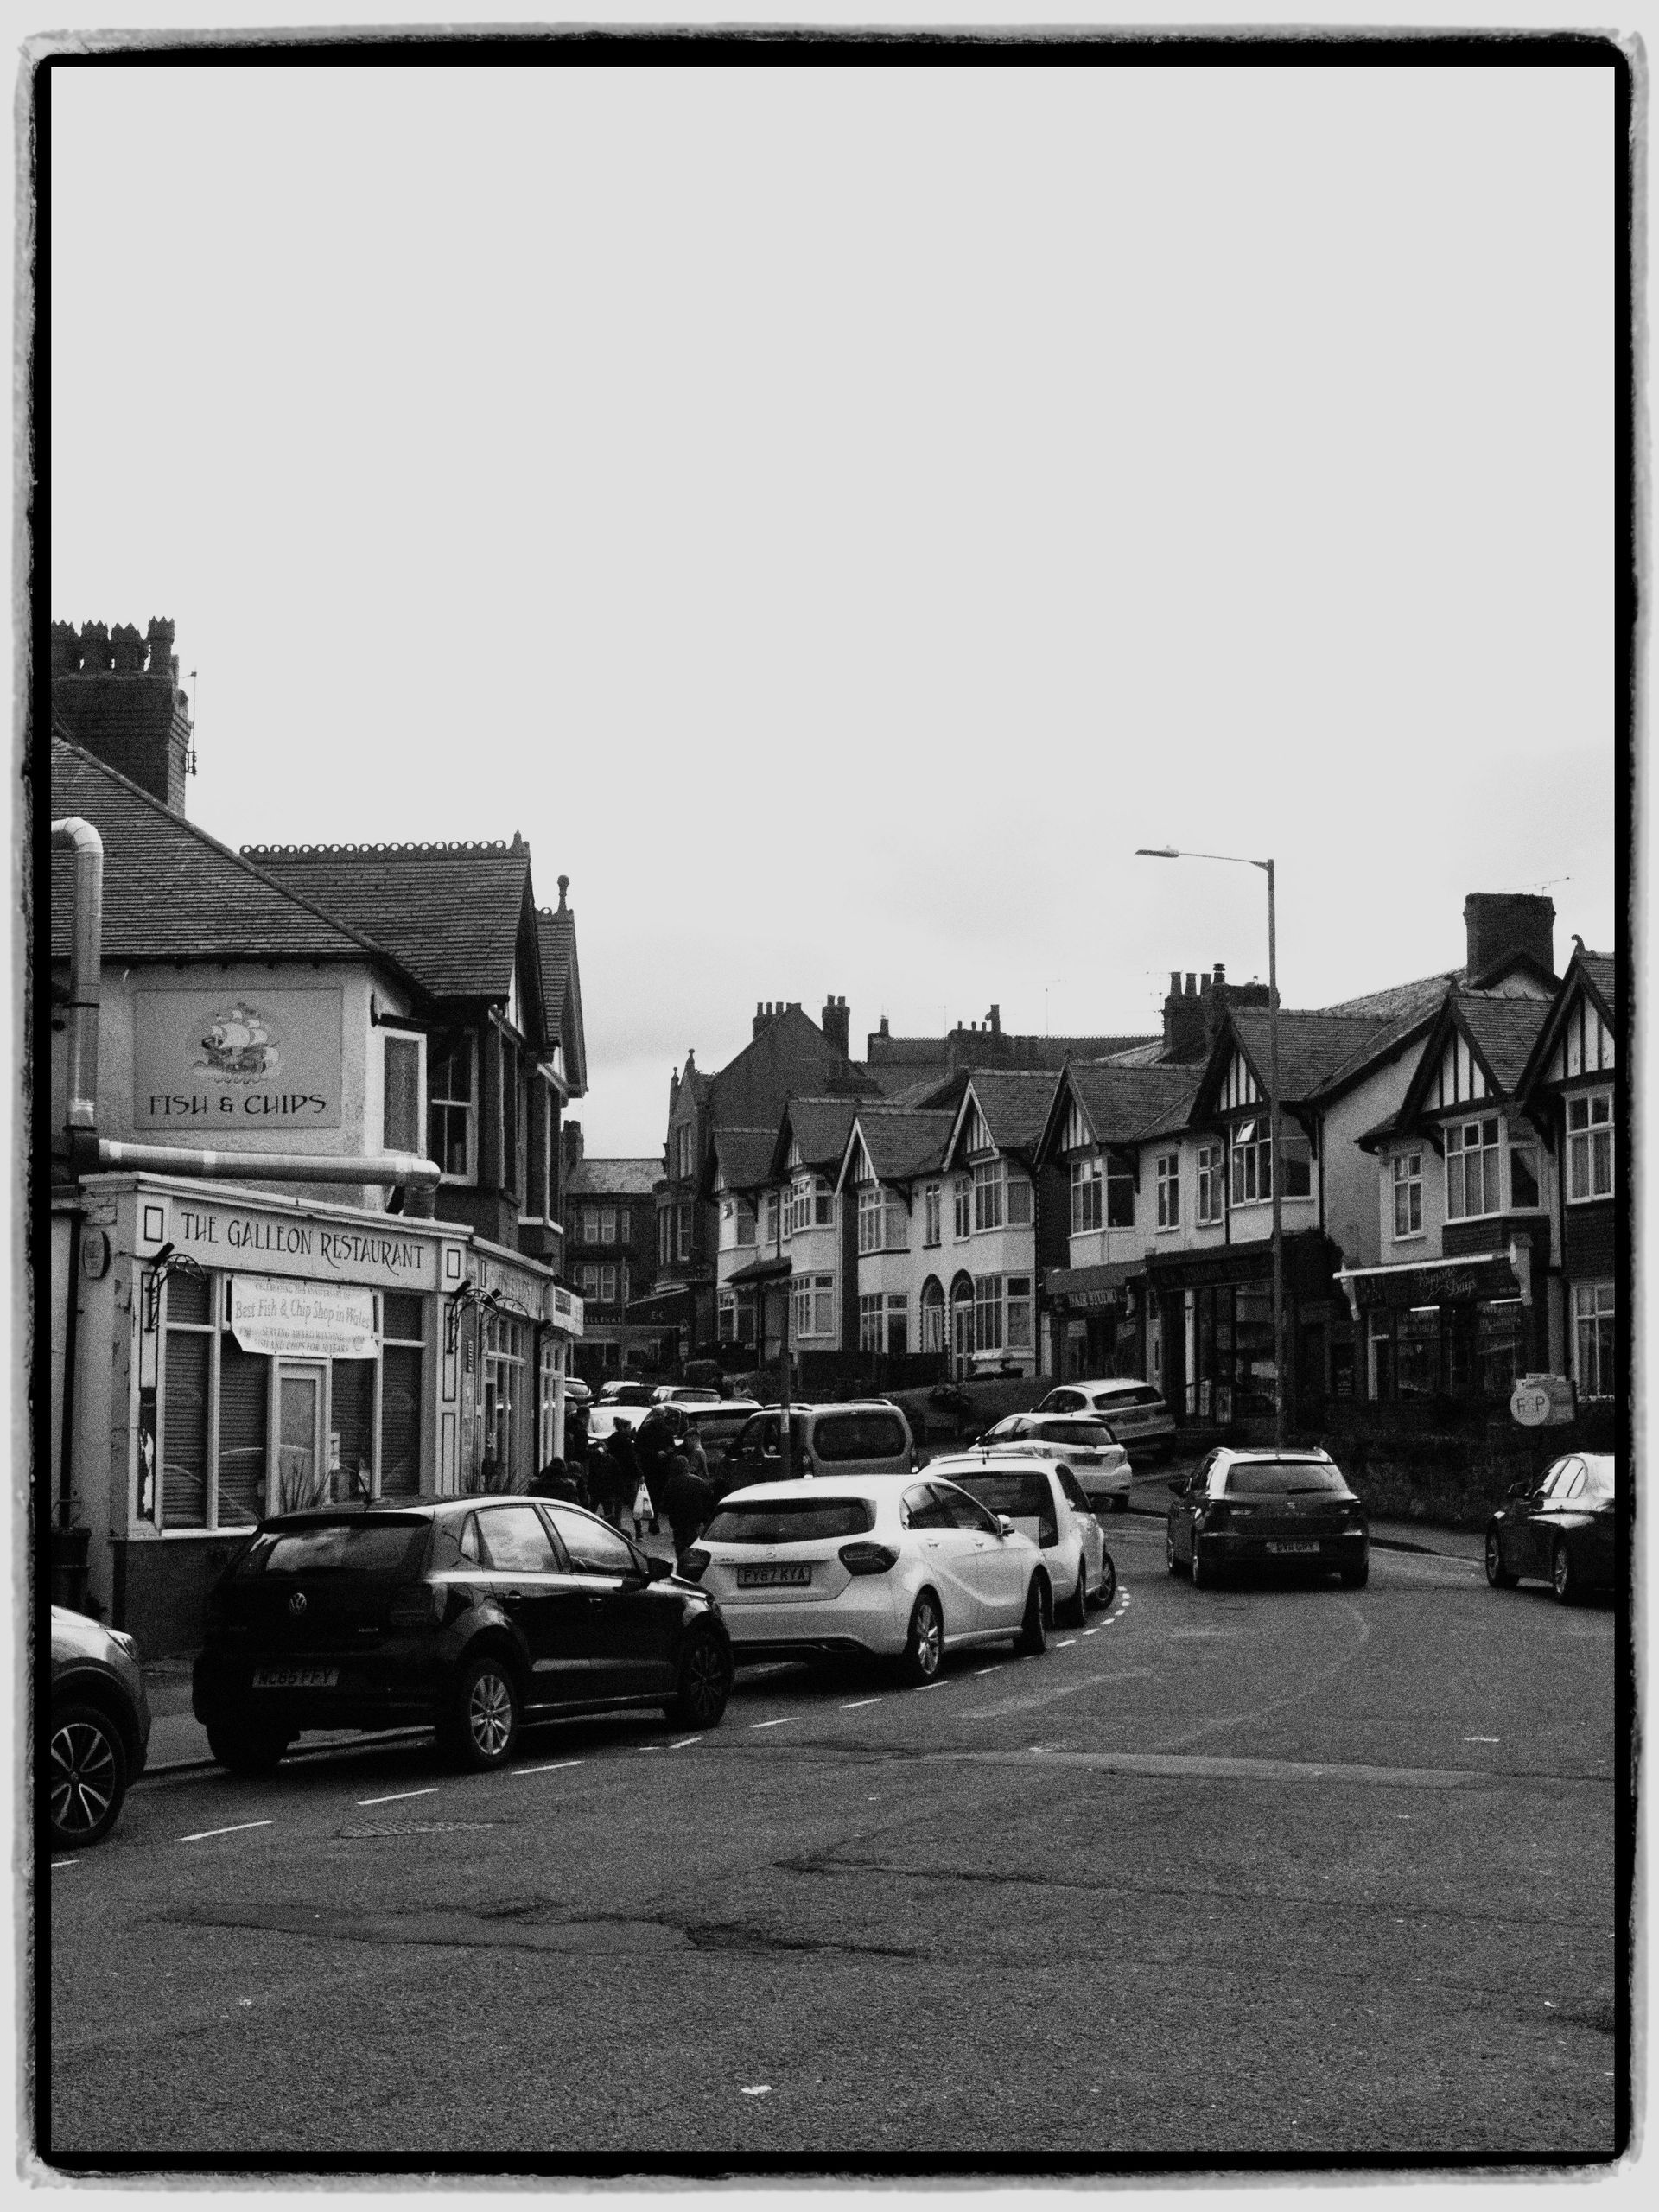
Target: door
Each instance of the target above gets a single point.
(628, 1622)
(948, 1554)
(302, 1462)
(994, 1567)
(545, 1606)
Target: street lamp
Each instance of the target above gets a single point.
(1242, 859)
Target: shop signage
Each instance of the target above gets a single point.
(302, 1320)
(1542, 1401)
(566, 1311)
(249, 1060)
(1440, 1286)
(323, 1251)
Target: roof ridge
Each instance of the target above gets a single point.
(518, 847)
(240, 859)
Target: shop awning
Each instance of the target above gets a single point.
(1089, 1290)
(663, 1309)
(757, 1271)
(1460, 1280)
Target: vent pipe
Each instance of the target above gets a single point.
(85, 958)
(385, 1167)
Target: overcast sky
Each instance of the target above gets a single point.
(836, 515)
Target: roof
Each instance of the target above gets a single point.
(903, 1144)
(173, 893)
(1594, 973)
(1014, 1106)
(1124, 1103)
(613, 1178)
(1403, 1000)
(744, 1157)
(790, 1058)
(819, 1127)
(1603, 970)
(1504, 1030)
(1314, 1048)
(555, 936)
(450, 913)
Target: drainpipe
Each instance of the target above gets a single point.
(85, 954)
(383, 1167)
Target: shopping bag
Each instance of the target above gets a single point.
(642, 1502)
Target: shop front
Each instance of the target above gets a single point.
(1215, 1324)
(1457, 1329)
(1094, 1320)
(240, 1354)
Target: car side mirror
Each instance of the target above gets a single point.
(658, 1570)
(1004, 1525)
(1520, 1489)
(1178, 1484)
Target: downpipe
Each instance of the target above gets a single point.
(85, 957)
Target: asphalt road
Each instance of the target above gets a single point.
(1291, 1872)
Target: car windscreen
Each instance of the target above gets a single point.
(1597, 1479)
(1278, 1478)
(1087, 1435)
(1022, 1498)
(791, 1520)
(860, 1436)
(336, 1547)
(1144, 1396)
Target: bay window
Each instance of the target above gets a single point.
(1085, 1194)
(1471, 1169)
(813, 1305)
(1210, 1191)
(1590, 1147)
(1018, 1312)
(1120, 1192)
(1019, 1201)
(1407, 1177)
(987, 1312)
(881, 1224)
(450, 1110)
(870, 1309)
(962, 1221)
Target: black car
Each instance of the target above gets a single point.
(1562, 1531)
(470, 1613)
(1267, 1510)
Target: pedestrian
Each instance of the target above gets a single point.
(696, 1457)
(576, 1437)
(622, 1474)
(690, 1502)
(655, 1442)
(554, 1481)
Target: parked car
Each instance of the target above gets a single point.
(865, 1564)
(1564, 1531)
(1044, 1501)
(718, 1425)
(1078, 1441)
(619, 1393)
(99, 1731)
(471, 1614)
(577, 1392)
(1138, 1416)
(685, 1394)
(864, 1436)
(1267, 1508)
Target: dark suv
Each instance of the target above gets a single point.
(470, 1613)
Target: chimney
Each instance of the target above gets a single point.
(673, 1091)
(133, 718)
(94, 649)
(1498, 924)
(1185, 1029)
(995, 1018)
(835, 1025)
(163, 661)
(573, 1146)
(127, 650)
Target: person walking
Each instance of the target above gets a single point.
(622, 1474)
(655, 1442)
(689, 1501)
(575, 1445)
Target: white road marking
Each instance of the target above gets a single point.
(1092, 1632)
(202, 1834)
(991, 1669)
(683, 1742)
(59, 1863)
(399, 1795)
(858, 1704)
(930, 1686)
(1480, 1740)
(557, 1767)
(760, 2089)
(782, 1723)
(1066, 1644)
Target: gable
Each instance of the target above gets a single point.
(977, 1137)
(1078, 1134)
(1585, 1044)
(1239, 1085)
(1460, 1080)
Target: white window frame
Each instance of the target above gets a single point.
(931, 1235)
(1488, 1151)
(1589, 1145)
(1169, 1190)
(1212, 1185)
(435, 1099)
(1088, 1195)
(1250, 1161)
(1018, 1308)
(988, 1314)
(813, 1306)
(1406, 1172)
(990, 1180)
(1593, 1304)
(962, 1209)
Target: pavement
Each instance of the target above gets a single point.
(178, 1740)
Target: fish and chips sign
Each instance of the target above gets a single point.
(302, 1320)
(228, 1060)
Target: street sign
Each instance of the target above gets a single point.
(1542, 1401)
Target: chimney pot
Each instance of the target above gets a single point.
(126, 650)
(94, 649)
(1174, 982)
(996, 1018)
(1221, 976)
(564, 884)
(162, 659)
(1192, 986)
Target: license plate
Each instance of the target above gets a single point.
(1300, 1545)
(295, 1678)
(770, 1578)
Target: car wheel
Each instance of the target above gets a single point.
(1563, 1575)
(1077, 1606)
(705, 1683)
(1355, 1578)
(89, 1776)
(483, 1722)
(1033, 1638)
(245, 1749)
(1108, 1589)
(925, 1643)
(1170, 1559)
(1204, 1574)
(1496, 1573)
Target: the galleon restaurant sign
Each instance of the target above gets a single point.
(325, 1251)
(246, 1060)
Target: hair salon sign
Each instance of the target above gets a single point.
(249, 1060)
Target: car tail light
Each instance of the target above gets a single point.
(867, 1559)
(693, 1564)
(417, 1605)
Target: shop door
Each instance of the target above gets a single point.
(301, 1464)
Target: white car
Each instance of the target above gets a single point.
(1045, 1502)
(1080, 1441)
(900, 1567)
(685, 1394)
(1140, 1418)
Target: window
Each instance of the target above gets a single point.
(1120, 1193)
(590, 1224)
(932, 1315)
(1590, 1146)
(726, 1323)
(987, 1312)
(516, 1538)
(602, 1283)
(400, 1119)
(1594, 1341)
(1472, 1162)
(870, 1311)
(1019, 1201)
(624, 1225)
(683, 1230)
(813, 1305)
(683, 1152)
(184, 1404)
(592, 1548)
(962, 1208)
(898, 1322)
(881, 1224)
(449, 1106)
(1252, 1163)
(988, 1194)
(403, 1349)
(1408, 1171)
(607, 1226)
(1085, 1194)
(1018, 1312)
(1523, 1176)
(501, 1405)
(665, 1235)
(745, 1223)
(772, 1217)
(1210, 1191)
(1169, 1190)
(512, 1120)
(930, 1214)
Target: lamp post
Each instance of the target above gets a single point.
(1242, 859)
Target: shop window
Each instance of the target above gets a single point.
(1471, 1169)
(243, 1415)
(1500, 1339)
(351, 1431)
(1169, 1190)
(1211, 1193)
(1086, 1195)
(400, 1119)
(987, 1312)
(450, 1106)
(988, 1194)
(1408, 1175)
(1590, 1147)
(502, 1401)
(1018, 1312)
(1417, 1352)
(184, 1405)
(1594, 1343)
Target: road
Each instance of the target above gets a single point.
(1262, 1870)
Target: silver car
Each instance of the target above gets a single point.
(1079, 1441)
(1140, 1418)
(100, 1731)
(1044, 1501)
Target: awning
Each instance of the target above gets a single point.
(666, 1308)
(1089, 1290)
(1460, 1280)
(757, 1271)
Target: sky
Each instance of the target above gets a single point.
(838, 515)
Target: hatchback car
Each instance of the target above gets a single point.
(1078, 1441)
(471, 1614)
(1563, 1531)
(618, 1393)
(683, 1394)
(97, 1736)
(1267, 1508)
(864, 1564)
(861, 1437)
(1044, 1501)
(1138, 1416)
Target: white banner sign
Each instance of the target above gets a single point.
(302, 1320)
